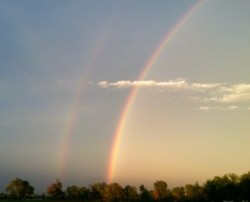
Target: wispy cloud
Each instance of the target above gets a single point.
(171, 84)
(236, 93)
(209, 108)
(202, 92)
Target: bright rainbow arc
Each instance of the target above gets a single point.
(134, 91)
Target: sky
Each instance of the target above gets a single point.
(123, 91)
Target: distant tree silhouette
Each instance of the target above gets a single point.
(160, 189)
(222, 188)
(194, 192)
(19, 188)
(244, 187)
(114, 192)
(130, 192)
(98, 190)
(144, 194)
(84, 193)
(107, 192)
(72, 192)
(55, 190)
(178, 193)
(229, 187)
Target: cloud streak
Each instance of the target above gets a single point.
(228, 108)
(205, 92)
(171, 84)
(236, 93)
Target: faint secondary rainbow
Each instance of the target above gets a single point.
(132, 95)
(68, 132)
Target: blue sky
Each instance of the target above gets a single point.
(189, 124)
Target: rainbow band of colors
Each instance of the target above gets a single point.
(134, 91)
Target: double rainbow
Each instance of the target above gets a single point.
(128, 103)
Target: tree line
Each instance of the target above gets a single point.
(229, 187)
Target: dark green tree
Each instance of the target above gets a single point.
(178, 193)
(19, 188)
(130, 192)
(116, 191)
(244, 186)
(222, 188)
(107, 192)
(160, 189)
(144, 194)
(72, 192)
(55, 190)
(194, 192)
(98, 190)
(84, 193)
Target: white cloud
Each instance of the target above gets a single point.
(236, 93)
(228, 108)
(103, 84)
(205, 86)
(178, 83)
(171, 84)
(205, 108)
(211, 99)
(203, 92)
(232, 107)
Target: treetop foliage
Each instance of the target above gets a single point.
(229, 187)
